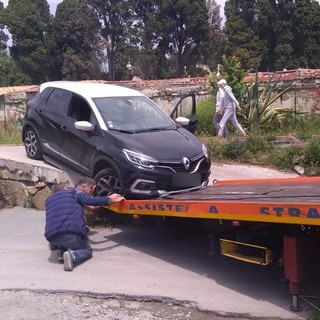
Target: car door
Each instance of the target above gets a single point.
(51, 110)
(77, 146)
(186, 107)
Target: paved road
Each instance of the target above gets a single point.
(140, 263)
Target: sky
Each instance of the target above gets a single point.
(53, 4)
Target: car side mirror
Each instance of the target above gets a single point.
(83, 125)
(182, 121)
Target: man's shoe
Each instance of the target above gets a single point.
(60, 256)
(52, 246)
(68, 260)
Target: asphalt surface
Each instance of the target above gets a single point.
(146, 263)
(142, 261)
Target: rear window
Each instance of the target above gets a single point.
(57, 100)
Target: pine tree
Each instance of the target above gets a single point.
(3, 36)
(214, 51)
(75, 42)
(115, 18)
(241, 27)
(27, 21)
(184, 33)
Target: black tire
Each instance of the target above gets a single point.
(107, 182)
(32, 144)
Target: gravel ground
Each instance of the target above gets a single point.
(31, 305)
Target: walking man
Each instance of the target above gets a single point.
(219, 112)
(228, 109)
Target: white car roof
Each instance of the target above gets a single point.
(92, 89)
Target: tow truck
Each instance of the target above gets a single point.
(259, 221)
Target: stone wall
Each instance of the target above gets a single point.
(304, 95)
(27, 184)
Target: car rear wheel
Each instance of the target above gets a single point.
(32, 144)
(107, 182)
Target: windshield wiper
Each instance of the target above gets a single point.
(123, 131)
(155, 129)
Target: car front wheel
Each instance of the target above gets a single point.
(107, 182)
(32, 144)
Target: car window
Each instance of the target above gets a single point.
(40, 96)
(79, 110)
(57, 100)
(132, 113)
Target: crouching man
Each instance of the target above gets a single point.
(65, 225)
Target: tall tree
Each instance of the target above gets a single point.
(306, 34)
(242, 40)
(273, 34)
(266, 31)
(184, 32)
(214, 51)
(115, 17)
(27, 21)
(76, 42)
(3, 36)
(143, 39)
(10, 75)
(284, 34)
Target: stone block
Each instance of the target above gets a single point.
(38, 200)
(14, 193)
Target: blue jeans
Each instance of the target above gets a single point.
(78, 244)
(216, 122)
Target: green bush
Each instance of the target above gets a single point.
(305, 127)
(233, 150)
(311, 159)
(251, 150)
(205, 112)
(286, 157)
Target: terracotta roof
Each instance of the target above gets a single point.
(285, 75)
(17, 89)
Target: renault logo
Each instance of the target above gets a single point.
(186, 163)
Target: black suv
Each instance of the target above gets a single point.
(115, 135)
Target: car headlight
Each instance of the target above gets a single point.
(205, 151)
(140, 159)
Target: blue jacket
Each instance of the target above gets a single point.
(64, 212)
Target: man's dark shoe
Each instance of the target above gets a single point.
(52, 246)
(60, 256)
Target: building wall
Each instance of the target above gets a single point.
(304, 95)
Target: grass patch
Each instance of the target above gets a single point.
(260, 148)
(10, 133)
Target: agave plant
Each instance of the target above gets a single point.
(260, 111)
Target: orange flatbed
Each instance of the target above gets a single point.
(285, 200)
(291, 201)
(294, 201)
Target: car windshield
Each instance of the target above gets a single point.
(132, 114)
